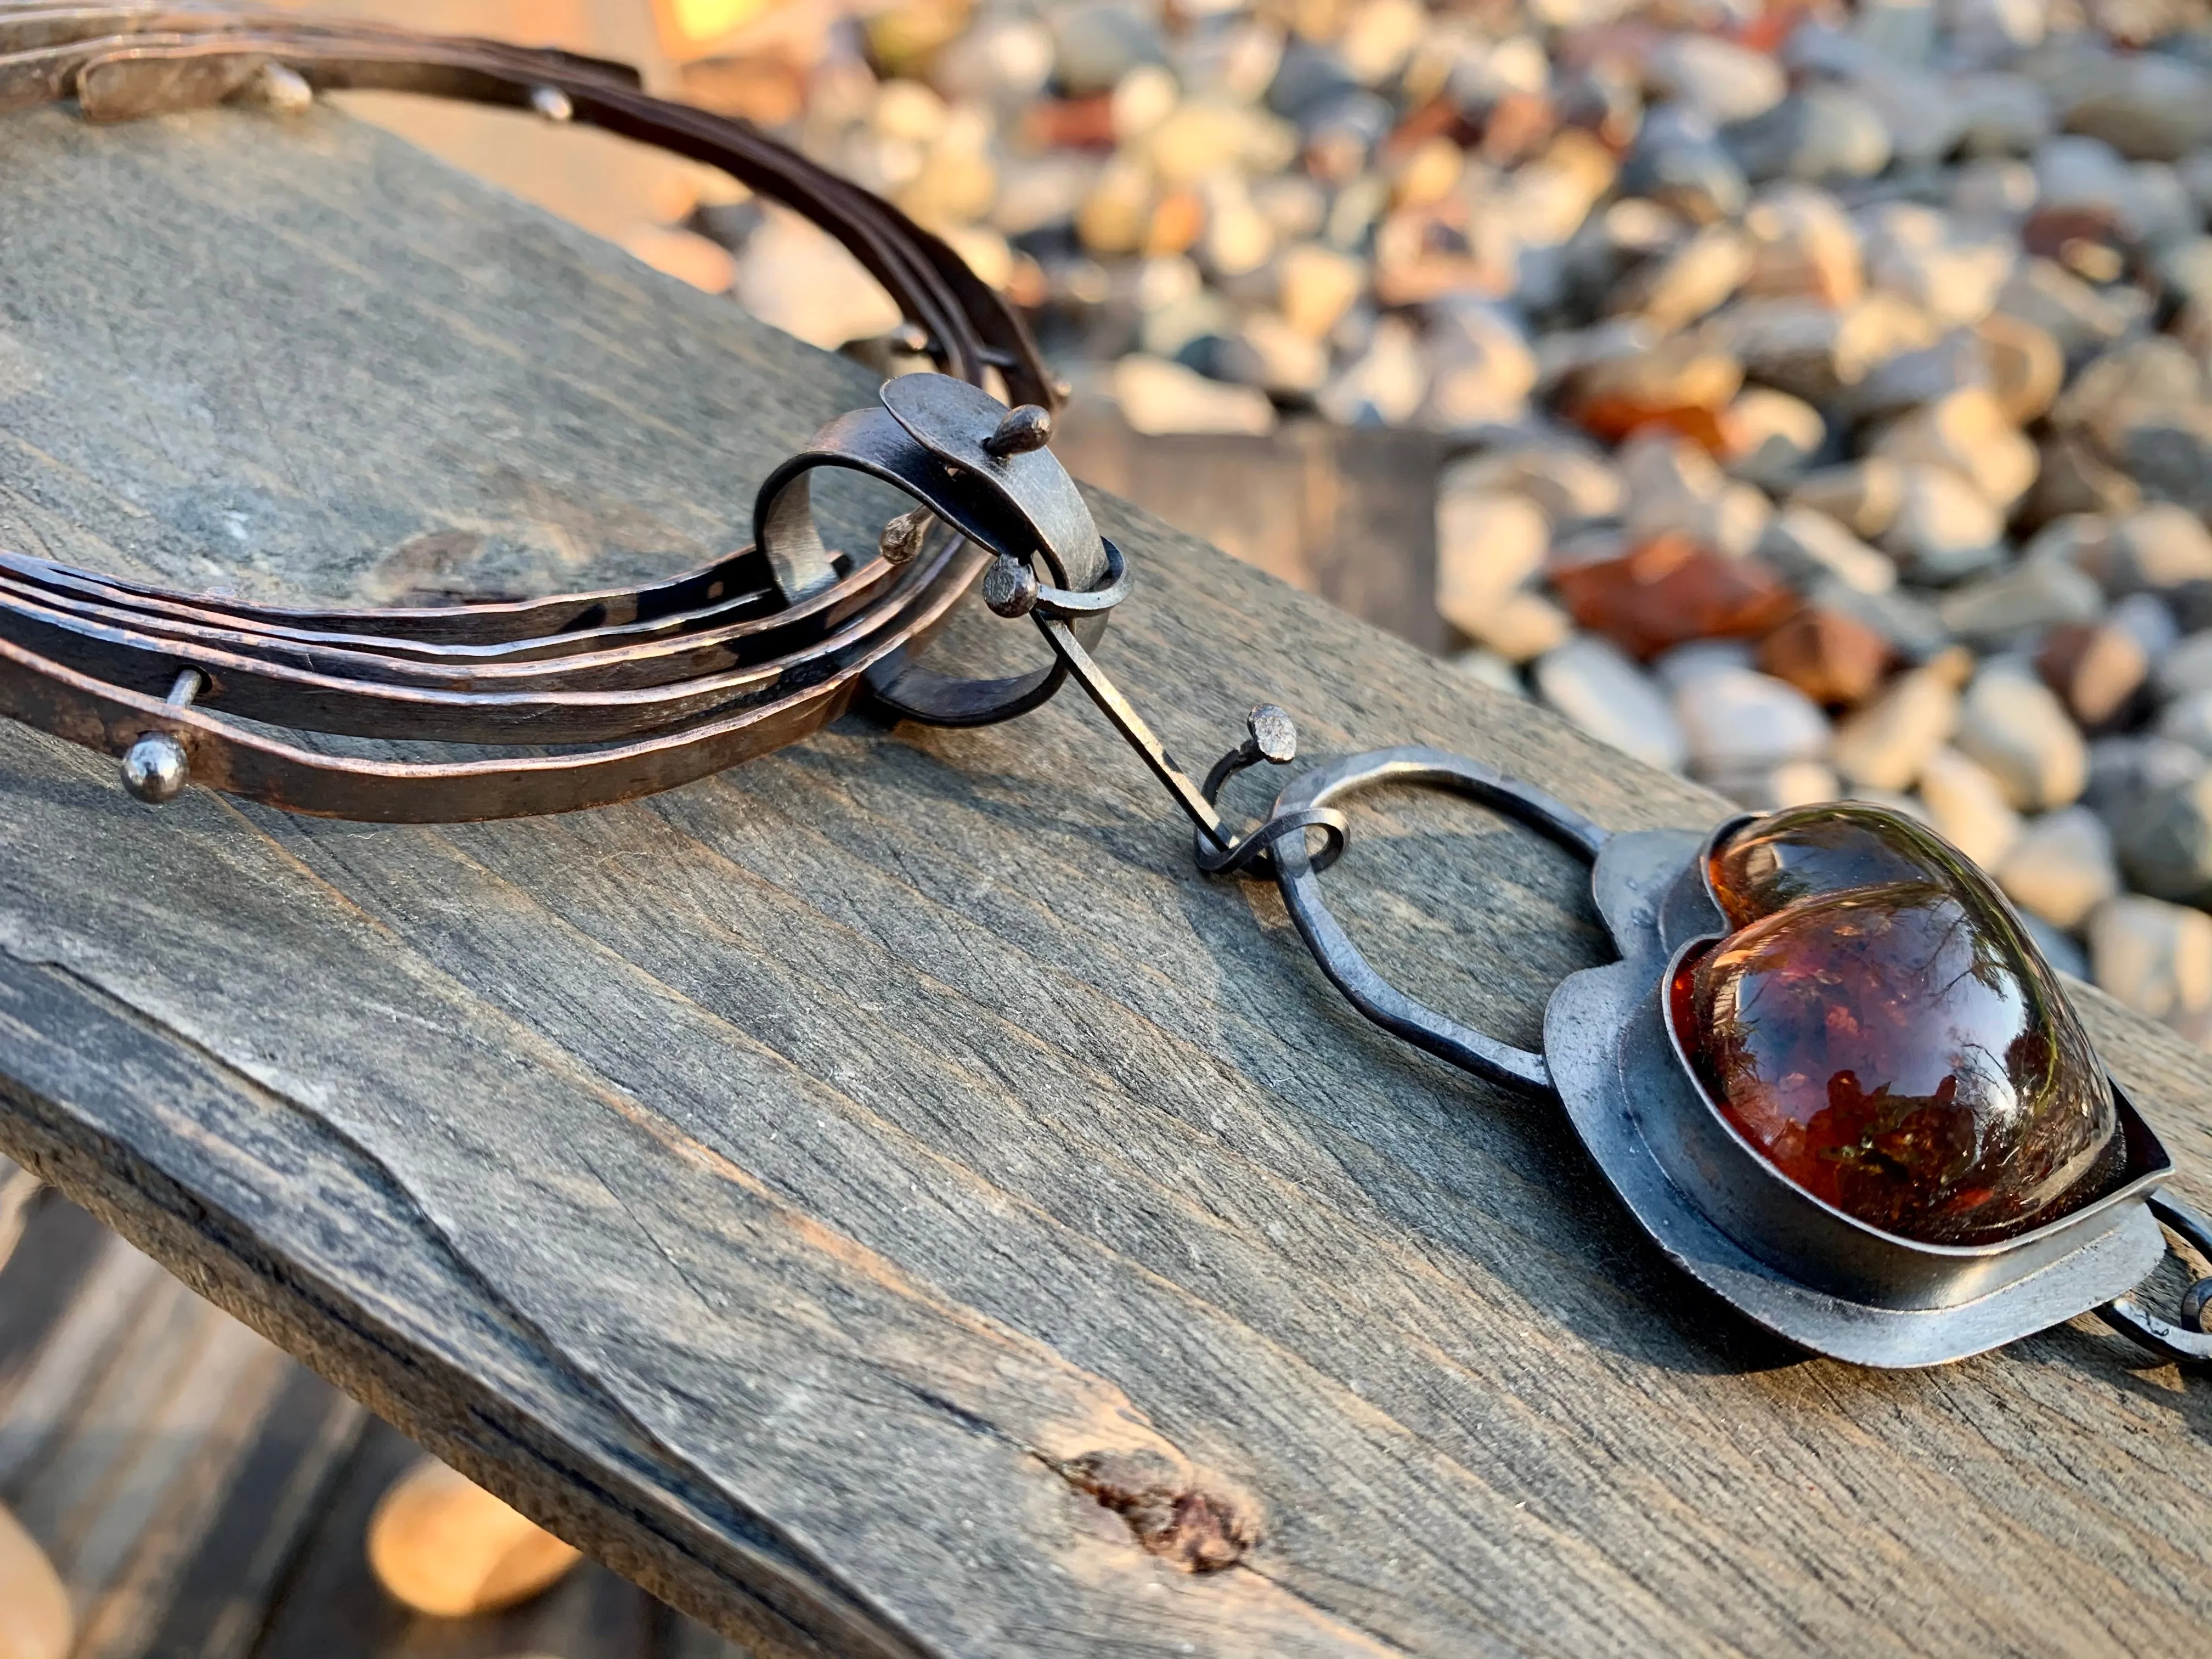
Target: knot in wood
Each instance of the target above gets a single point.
(1173, 1517)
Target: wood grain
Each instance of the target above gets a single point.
(787, 1188)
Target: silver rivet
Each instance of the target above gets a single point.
(156, 769)
(1275, 734)
(284, 90)
(903, 535)
(1023, 429)
(552, 103)
(1009, 588)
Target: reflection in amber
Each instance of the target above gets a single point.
(1881, 1026)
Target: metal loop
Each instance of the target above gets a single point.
(1252, 853)
(933, 440)
(2162, 1336)
(1297, 876)
(1068, 604)
(904, 689)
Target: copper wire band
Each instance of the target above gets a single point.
(588, 697)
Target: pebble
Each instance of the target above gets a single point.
(1736, 720)
(1801, 346)
(1915, 633)
(443, 1546)
(2187, 719)
(2150, 106)
(2168, 453)
(1591, 684)
(2185, 666)
(1670, 590)
(2061, 867)
(1697, 277)
(2014, 726)
(1488, 668)
(2148, 620)
(2154, 958)
(1887, 744)
(1094, 45)
(1833, 657)
(1481, 370)
(1720, 80)
(1159, 396)
(1770, 436)
(1677, 668)
(1488, 544)
(1989, 191)
(1570, 484)
(2126, 770)
(2074, 478)
(1679, 162)
(1821, 132)
(2060, 950)
(1968, 808)
(1382, 387)
(1793, 783)
(2162, 830)
(798, 279)
(1899, 385)
(1523, 626)
(1803, 244)
(1319, 285)
(2001, 114)
(1945, 529)
(1991, 31)
(2097, 669)
(2031, 596)
(1264, 351)
(1969, 433)
(1951, 273)
(1864, 497)
(2159, 547)
(1674, 486)
(1679, 386)
(2024, 366)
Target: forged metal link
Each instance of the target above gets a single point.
(2188, 1339)
(583, 698)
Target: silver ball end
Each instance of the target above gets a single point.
(1023, 429)
(284, 90)
(552, 103)
(1009, 588)
(155, 768)
(1275, 734)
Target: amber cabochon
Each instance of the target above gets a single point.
(1880, 1025)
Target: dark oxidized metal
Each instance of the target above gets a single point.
(584, 698)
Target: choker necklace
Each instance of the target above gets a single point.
(1830, 1074)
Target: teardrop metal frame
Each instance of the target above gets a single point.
(1810, 1273)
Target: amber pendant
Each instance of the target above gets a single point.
(1831, 1075)
(1880, 1025)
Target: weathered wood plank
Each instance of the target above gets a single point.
(777, 1186)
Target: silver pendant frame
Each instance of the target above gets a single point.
(1714, 1205)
